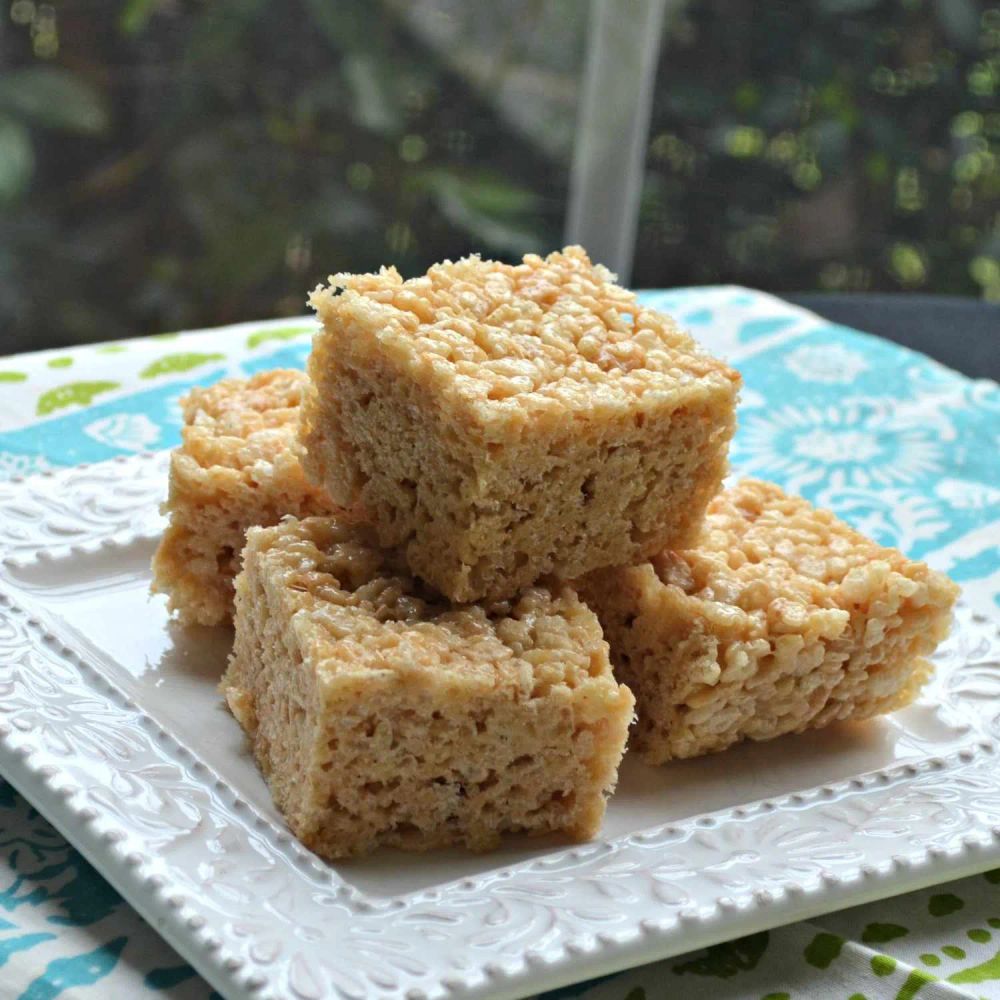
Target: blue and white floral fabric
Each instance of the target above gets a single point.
(902, 447)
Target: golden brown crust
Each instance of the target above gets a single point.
(780, 618)
(381, 714)
(237, 422)
(511, 343)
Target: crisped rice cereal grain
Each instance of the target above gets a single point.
(238, 465)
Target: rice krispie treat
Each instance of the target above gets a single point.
(781, 618)
(238, 465)
(381, 714)
(504, 422)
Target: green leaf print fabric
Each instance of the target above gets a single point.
(936, 944)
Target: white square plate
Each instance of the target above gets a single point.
(110, 723)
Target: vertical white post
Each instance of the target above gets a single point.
(609, 150)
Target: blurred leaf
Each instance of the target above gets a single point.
(846, 6)
(346, 25)
(221, 27)
(73, 393)
(246, 252)
(877, 168)
(500, 197)
(54, 97)
(13, 377)
(16, 159)
(746, 97)
(135, 15)
(376, 101)
(491, 209)
(324, 92)
(282, 333)
(171, 364)
(487, 192)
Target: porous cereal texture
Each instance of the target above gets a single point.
(781, 618)
(381, 714)
(238, 465)
(502, 422)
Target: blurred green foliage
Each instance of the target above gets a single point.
(169, 164)
(838, 144)
(174, 163)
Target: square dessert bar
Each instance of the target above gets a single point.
(238, 465)
(781, 618)
(382, 714)
(501, 422)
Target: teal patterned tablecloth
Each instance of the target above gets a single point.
(905, 449)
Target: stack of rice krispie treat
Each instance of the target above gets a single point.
(433, 678)
(533, 462)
